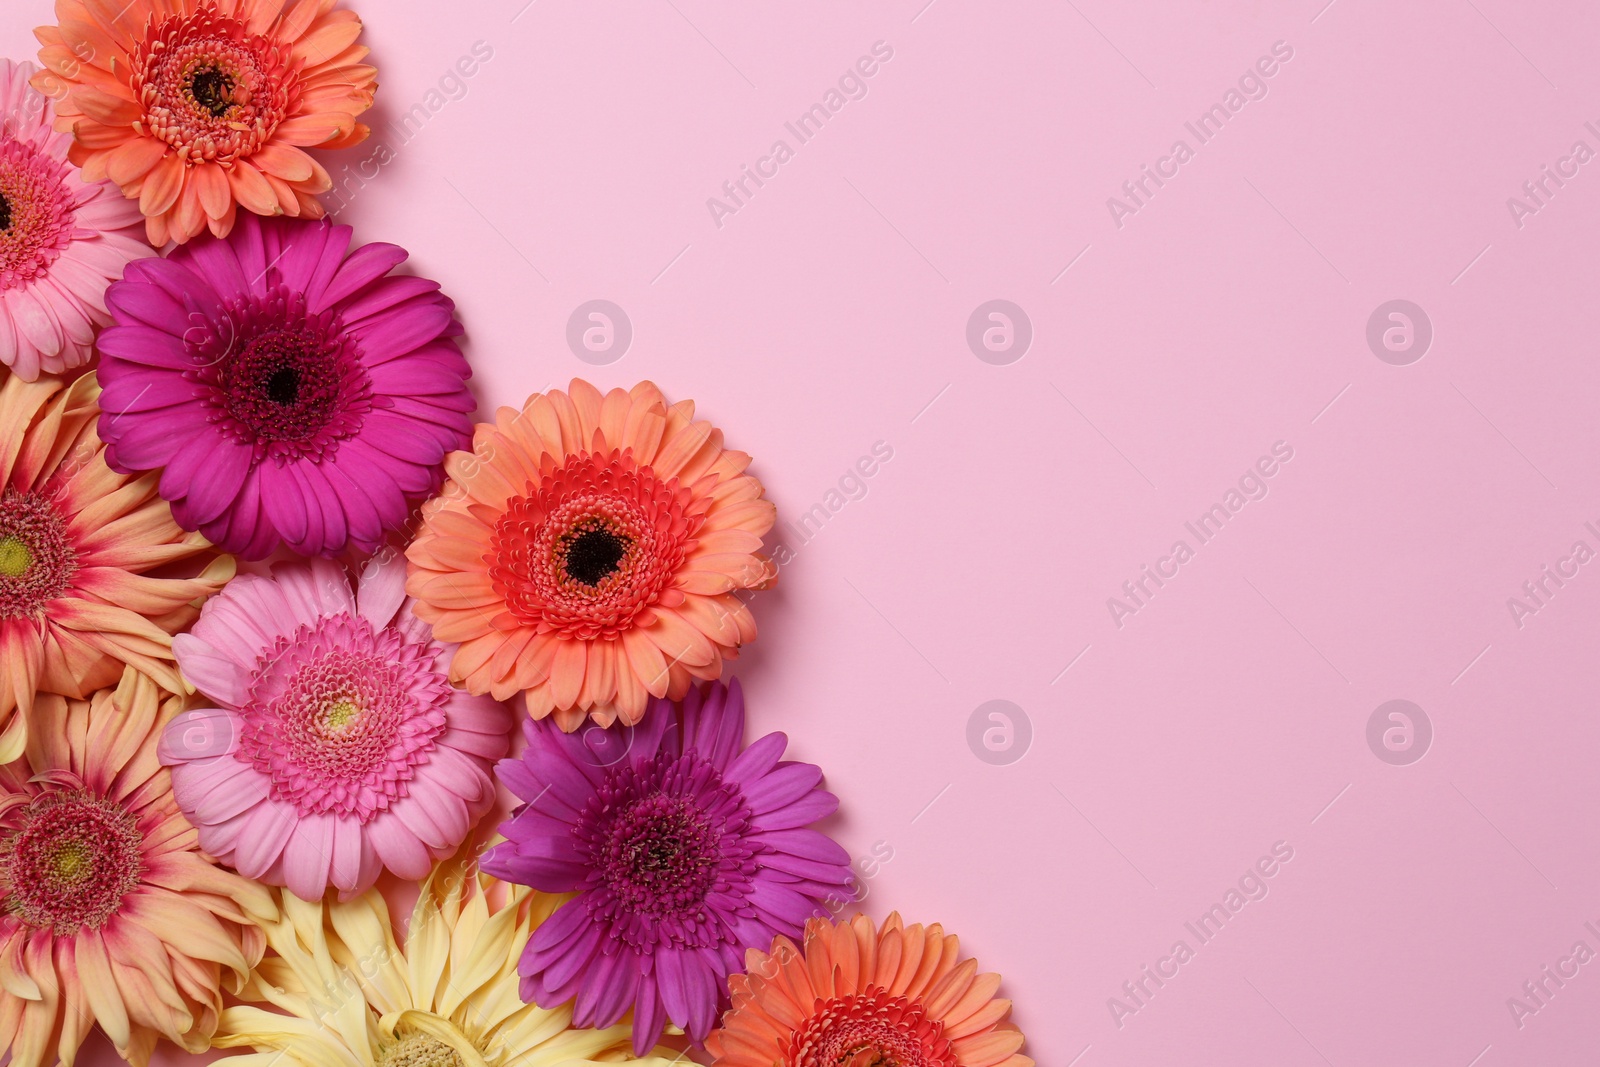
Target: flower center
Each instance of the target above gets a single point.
(37, 560)
(283, 386)
(591, 545)
(15, 558)
(36, 215)
(870, 1030)
(661, 836)
(595, 553)
(340, 715)
(289, 382)
(210, 88)
(419, 1050)
(69, 861)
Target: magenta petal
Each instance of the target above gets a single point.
(365, 266)
(215, 472)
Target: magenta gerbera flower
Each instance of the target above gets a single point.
(290, 393)
(685, 849)
(338, 746)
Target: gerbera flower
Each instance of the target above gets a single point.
(109, 913)
(61, 240)
(341, 989)
(196, 107)
(588, 553)
(295, 395)
(685, 849)
(80, 550)
(855, 995)
(339, 747)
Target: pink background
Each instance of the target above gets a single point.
(829, 313)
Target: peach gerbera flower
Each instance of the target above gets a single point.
(109, 912)
(854, 995)
(587, 553)
(80, 550)
(197, 107)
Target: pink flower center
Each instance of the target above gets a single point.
(36, 216)
(69, 861)
(591, 546)
(288, 382)
(870, 1030)
(340, 715)
(37, 560)
(210, 88)
(659, 837)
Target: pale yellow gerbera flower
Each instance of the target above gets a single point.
(339, 989)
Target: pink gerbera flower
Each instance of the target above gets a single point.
(292, 392)
(684, 848)
(109, 912)
(62, 240)
(339, 747)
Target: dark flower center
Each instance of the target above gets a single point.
(209, 87)
(70, 862)
(283, 386)
(212, 89)
(289, 382)
(5, 212)
(662, 854)
(37, 560)
(594, 554)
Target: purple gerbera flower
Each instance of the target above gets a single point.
(685, 849)
(290, 393)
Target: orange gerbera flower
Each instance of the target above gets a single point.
(109, 912)
(199, 106)
(77, 543)
(587, 553)
(854, 995)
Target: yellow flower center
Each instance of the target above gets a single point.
(15, 558)
(340, 713)
(72, 861)
(419, 1050)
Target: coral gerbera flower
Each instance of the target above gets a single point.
(588, 553)
(196, 107)
(685, 849)
(62, 240)
(340, 988)
(339, 747)
(294, 394)
(899, 995)
(109, 913)
(92, 567)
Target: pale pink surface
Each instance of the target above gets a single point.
(979, 563)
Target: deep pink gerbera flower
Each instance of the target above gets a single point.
(339, 746)
(290, 393)
(685, 849)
